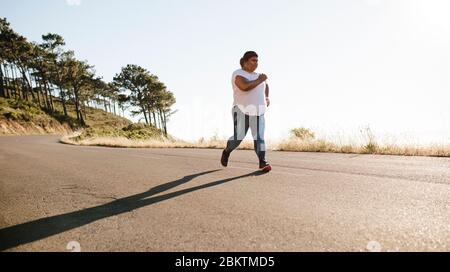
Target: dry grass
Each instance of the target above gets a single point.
(151, 143)
(301, 140)
(438, 150)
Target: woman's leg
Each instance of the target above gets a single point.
(240, 127)
(257, 125)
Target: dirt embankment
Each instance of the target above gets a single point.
(10, 127)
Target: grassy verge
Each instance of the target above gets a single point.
(140, 135)
(301, 140)
(435, 150)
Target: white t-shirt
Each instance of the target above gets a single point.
(252, 102)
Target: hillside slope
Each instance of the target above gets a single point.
(19, 117)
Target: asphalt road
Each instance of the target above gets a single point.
(54, 195)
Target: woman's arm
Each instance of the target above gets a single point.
(247, 85)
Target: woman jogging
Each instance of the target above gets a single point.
(251, 96)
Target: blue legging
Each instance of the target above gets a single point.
(242, 122)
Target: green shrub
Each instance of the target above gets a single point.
(302, 133)
(371, 147)
(11, 115)
(137, 131)
(141, 131)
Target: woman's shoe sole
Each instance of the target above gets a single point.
(266, 168)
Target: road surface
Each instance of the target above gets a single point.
(55, 196)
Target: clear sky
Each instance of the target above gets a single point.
(334, 66)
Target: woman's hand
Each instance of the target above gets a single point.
(267, 101)
(262, 77)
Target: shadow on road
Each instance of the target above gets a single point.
(45, 227)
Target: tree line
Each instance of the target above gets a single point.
(45, 71)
